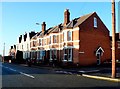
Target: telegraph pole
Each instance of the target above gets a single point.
(113, 40)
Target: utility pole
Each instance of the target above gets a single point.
(113, 40)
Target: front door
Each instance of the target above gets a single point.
(98, 58)
(99, 53)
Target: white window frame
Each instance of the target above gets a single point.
(95, 22)
(65, 36)
(68, 59)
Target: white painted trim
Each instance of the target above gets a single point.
(81, 52)
(71, 57)
(99, 49)
(71, 41)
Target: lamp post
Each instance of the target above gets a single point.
(113, 40)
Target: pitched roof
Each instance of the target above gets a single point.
(20, 38)
(36, 35)
(31, 34)
(81, 19)
(56, 29)
(74, 23)
(25, 36)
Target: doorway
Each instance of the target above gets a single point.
(99, 53)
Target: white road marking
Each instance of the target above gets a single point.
(65, 72)
(89, 71)
(12, 69)
(19, 72)
(27, 75)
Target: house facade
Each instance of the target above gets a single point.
(117, 44)
(12, 52)
(23, 44)
(81, 41)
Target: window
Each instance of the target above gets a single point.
(55, 54)
(22, 46)
(68, 54)
(50, 40)
(38, 55)
(40, 42)
(44, 41)
(118, 44)
(54, 39)
(33, 43)
(69, 36)
(95, 22)
(65, 36)
(50, 54)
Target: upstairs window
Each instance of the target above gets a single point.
(33, 43)
(64, 36)
(40, 42)
(50, 40)
(22, 46)
(44, 41)
(95, 22)
(69, 36)
(54, 39)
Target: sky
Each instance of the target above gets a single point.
(20, 17)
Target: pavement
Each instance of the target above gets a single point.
(102, 72)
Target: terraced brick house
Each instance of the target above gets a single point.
(81, 41)
(117, 43)
(23, 44)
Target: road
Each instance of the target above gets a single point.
(23, 76)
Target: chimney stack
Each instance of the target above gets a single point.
(11, 47)
(66, 17)
(43, 27)
(14, 46)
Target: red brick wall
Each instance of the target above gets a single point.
(91, 38)
(117, 51)
(75, 53)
